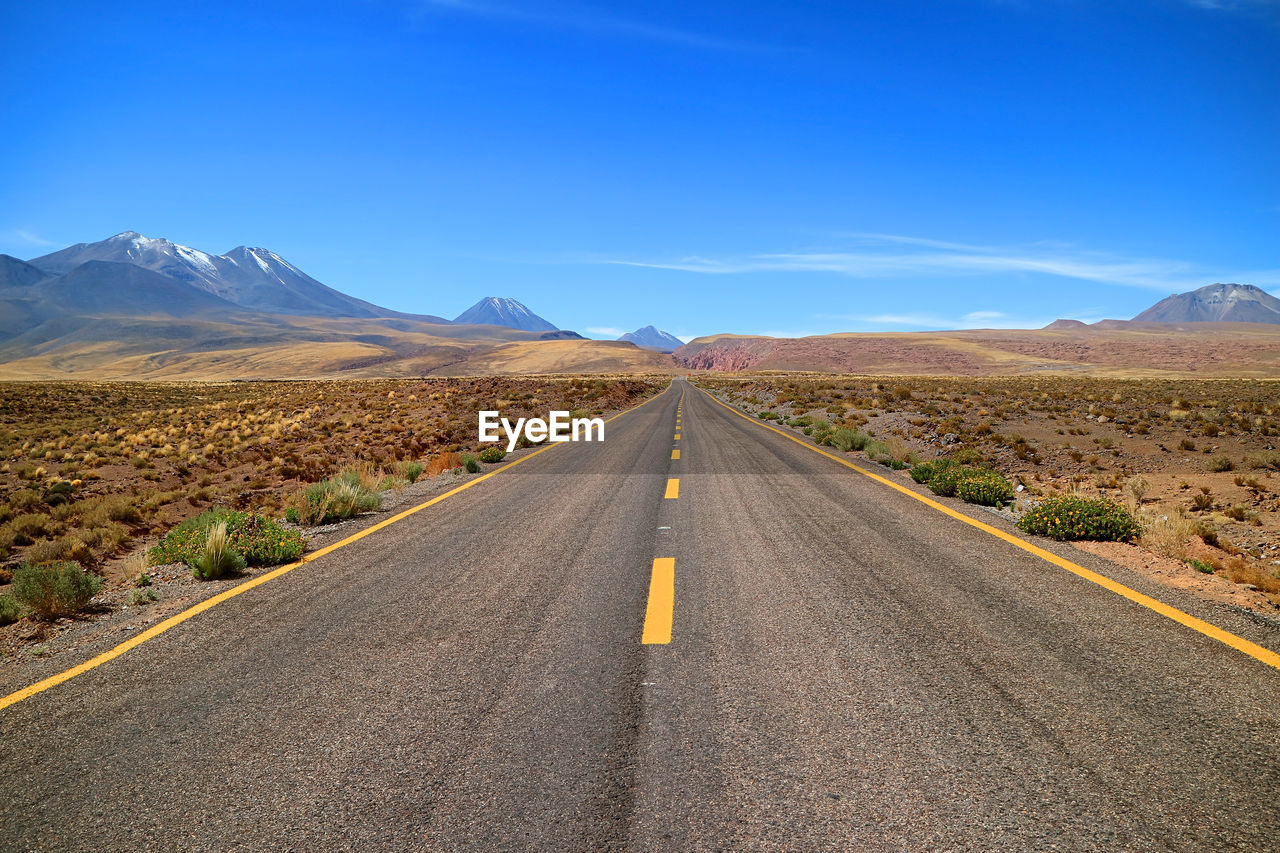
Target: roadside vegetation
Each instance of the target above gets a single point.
(1191, 463)
(89, 470)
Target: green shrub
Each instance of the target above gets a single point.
(54, 589)
(334, 499)
(492, 454)
(925, 471)
(802, 421)
(983, 486)
(145, 595)
(410, 470)
(261, 541)
(1073, 517)
(846, 439)
(944, 480)
(217, 557)
(10, 610)
(769, 416)
(878, 451)
(469, 462)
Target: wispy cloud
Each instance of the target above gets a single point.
(608, 331)
(28, 237)
(898, 256)
(971, 320)
(586, 19)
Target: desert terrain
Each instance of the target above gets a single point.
(1194, 459)
(1110, 348)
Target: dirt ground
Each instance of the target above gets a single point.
(88, 470)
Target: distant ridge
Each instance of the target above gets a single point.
(653, 338)
(1216, 303)
(253, 278)
(500, 311)
(1067, 324)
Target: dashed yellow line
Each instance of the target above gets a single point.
(675, 454)
(1253, 650)
(209, 603)
(673, 488)
(662, 601)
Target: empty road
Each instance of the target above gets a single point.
(716, 641)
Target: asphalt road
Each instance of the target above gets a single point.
(848, 669)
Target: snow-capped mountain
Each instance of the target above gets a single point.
(653, 338)
(497, 311)
(253, 278)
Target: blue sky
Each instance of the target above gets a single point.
(749, 167)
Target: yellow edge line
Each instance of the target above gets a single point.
(1253, 650)
(662, 601)
(178, 618)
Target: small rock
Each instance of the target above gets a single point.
(30, 631)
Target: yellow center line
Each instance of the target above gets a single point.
(675, 454)
(662, 601)
(673, 488)
(1253, 650)
(178, 618)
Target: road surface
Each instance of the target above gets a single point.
(848, 669)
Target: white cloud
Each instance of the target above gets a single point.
(609, 331)
(29, 237)
(895, 256)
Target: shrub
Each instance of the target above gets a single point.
(69, 547)
(109, 508)
(1220, 464)
(846, 439)
(10, 610)
(217, 558)
(1074, 517)
(1201, 566)
(879, 451)
(984, 486)
(492, 454)
(261, 541)
(469, 462)
(1263, 459)
(54, 589)
(411, 471)
(944, 480)
(144, 595)
(335, 499)
(926, 471)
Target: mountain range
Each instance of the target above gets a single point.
(133, 306)
(253, 278)
(137, 307)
